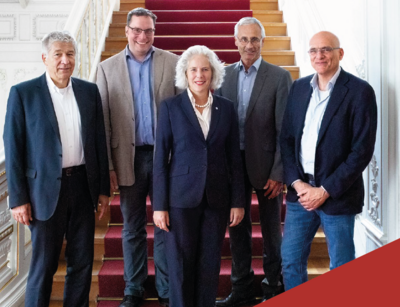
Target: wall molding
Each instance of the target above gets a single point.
(43, 22)
(20, 74)
(11, 19)
(5, 216)
(374, 206)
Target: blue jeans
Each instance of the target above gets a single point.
(300, 228)
(134, 235)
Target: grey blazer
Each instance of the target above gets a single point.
(263, 119)
(117, 99)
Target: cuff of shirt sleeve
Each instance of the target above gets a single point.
(292, 185)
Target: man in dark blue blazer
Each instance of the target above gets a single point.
(57, 170)
(327, 141)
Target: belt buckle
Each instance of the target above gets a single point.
(68, 172)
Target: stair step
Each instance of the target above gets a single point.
(198, 5)
(59, 278)
(190, 16)
(151, 302)
(280, 58)
(268, 16)
(117, 301)
(111, 281)
(127, 5)
(116, 215)
(277, 43)
(212, 28)
(60, 303)
(264, 4)
(113, 243)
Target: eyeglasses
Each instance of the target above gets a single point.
(138, 31)
(323, 50)
(254, 41)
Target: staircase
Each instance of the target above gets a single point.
(183, 24)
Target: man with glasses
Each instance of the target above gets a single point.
(132, 84)
(327, 140)
(259, 91)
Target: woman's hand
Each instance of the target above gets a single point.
(236, 217)
(161, 220)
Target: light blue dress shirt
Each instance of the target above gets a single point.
(142, 91)
(245, 88)
(315, 113)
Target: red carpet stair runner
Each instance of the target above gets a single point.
(181, 24)
(184, 23)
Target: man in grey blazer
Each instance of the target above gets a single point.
(259, 90)
(132, 84)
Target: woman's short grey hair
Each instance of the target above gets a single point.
(57, 36)
(139, 11)
(217, 67)
(249, 21)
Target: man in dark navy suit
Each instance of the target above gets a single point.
(327, 141)
(57, 170)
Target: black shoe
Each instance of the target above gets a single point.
(163, 301)
(131, 301)
(235, 300)
(271, 291)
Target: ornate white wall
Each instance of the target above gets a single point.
(368, 31)
(22, 26)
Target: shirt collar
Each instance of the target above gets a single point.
(129, 54)
(192, 100)
(256, 64)
(331, 83)
(54, 89)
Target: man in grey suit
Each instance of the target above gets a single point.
(132, 84)
(259, 90)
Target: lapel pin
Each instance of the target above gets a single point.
(216, 108)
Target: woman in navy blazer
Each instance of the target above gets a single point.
(197, 178)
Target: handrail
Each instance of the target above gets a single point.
(89, 22)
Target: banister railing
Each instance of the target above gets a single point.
(15, 249)
(89, 21)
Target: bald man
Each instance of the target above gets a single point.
(327, 140)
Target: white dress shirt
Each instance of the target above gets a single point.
(205, 117)
(69, 123)
(315, 113)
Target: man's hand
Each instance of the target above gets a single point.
(22, 214)
(273, 188)
(113, 183)
(161, 220)
(236, 216)
(301, 185)
(104, 202)
(311, 198)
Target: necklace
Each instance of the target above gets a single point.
(204, 105)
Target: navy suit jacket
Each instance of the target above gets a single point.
(186, 165)
(345, 143)
(33, 145)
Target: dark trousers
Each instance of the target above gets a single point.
(134, 235)
(194, 254)
(74, 219)
(241, 246)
